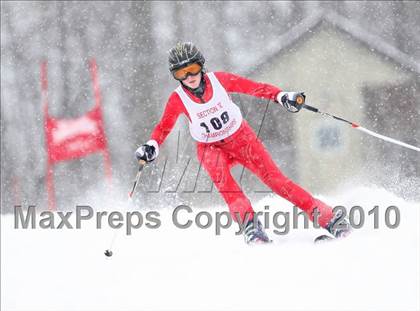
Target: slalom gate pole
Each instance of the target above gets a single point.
(142, 163)
(360, 128)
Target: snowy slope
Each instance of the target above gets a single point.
(192, 269)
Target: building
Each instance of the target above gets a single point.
(345, 71)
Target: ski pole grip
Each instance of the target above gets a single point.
(300, 99)
(142, 163)
(313, 109)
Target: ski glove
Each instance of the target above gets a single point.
(148, 152)
(292, 101)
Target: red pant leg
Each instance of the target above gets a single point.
(218, 164)
(255, 157)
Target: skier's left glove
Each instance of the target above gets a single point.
(148, 152)
(292, 101)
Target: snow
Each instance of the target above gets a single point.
(193, 269)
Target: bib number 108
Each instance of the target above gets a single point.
(216, 123)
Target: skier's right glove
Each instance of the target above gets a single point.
(148, 152)
(292, 101)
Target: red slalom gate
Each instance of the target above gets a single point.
(69, 139)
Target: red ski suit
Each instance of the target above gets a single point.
(242, 147)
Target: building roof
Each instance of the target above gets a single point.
(309, 24)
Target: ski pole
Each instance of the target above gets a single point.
(142, 163)
(136, 181)
(360, 128)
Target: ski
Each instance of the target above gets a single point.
(323, 238)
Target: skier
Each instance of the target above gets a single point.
(224, 138)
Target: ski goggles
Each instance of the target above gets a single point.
(190, 70)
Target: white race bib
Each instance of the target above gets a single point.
(214, 120)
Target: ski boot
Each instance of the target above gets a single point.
(338, 226)
(254, 233)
